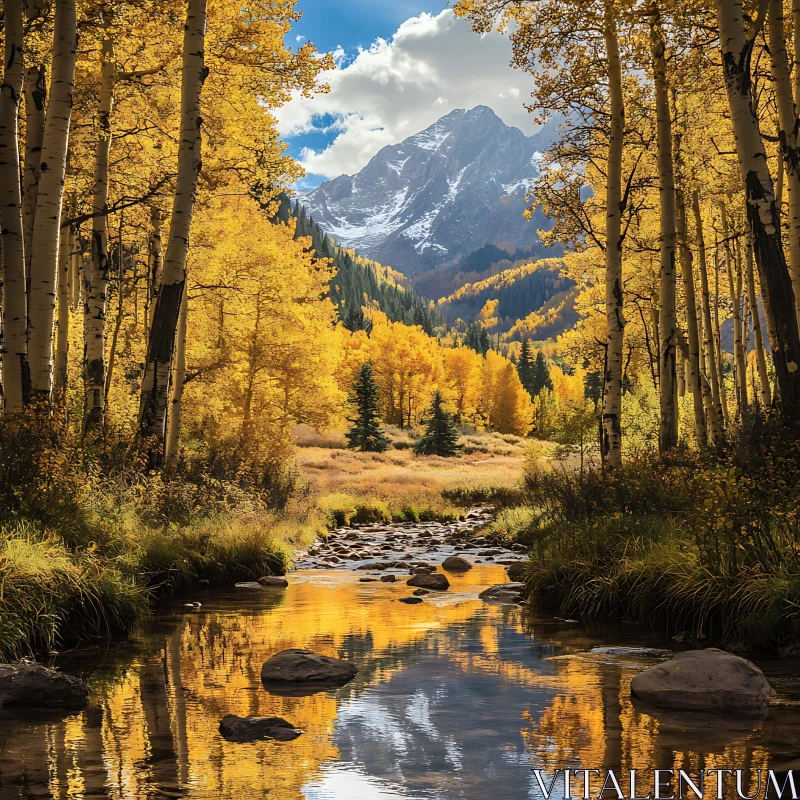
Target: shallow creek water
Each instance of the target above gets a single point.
(455, 697)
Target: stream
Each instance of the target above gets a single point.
(455, 697)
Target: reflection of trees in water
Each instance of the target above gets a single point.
(157, 707)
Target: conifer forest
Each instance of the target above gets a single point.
(399, 399)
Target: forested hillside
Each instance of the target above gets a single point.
(531, 301)
(357, 281)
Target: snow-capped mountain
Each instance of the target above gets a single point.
(445, 192)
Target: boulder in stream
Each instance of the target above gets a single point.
(411, 601)
(456, 564)
(434, 580)
(388, 578)
(34, 686)
(504, 593)
(704, 680)
(274, 581)
(251, 729)
(516, 570)
(297, 667)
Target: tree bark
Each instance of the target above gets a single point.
(758, 338)
(723, 394)
(161, 344)
(611, 448)
(715, 419)
(94, 335)
(62, 324)
(47, 221)
(75, 277)
(789, 136)
(736, 44)
(178, 379)
(155, 264)
(668, 429)
(34, 133)
(692, 333)
(735, 291)
(16, 385)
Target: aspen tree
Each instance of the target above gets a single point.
(758, 338)
(161, 344)
(178, 380)
(14, 347)
(94, 336)
(692, 333)
(789, 139)
(155, 264)
(708, 330)
(67, 245)
(34, 133)
(47, 221)
(615, 323)
(736, 46)
(668, 432)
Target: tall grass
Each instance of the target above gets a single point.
(90, 538)
(708, 546)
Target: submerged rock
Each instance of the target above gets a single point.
(303, 666)
(35, 686)
(274, 580)
(420, 592)
(435, 581)
(504, 592)
(411, 601)
(248, 585)
(251, 729)
(456, 564)
(704, 680)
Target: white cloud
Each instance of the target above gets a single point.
(432, 65)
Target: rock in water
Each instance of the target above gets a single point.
(516, 571)
(504, 593)
(274, 580)
(250, 729)
(435, 581)
(35, 686)
(704, 680)
(456, 564)
(388, 579)
(303, 666)
(411, 601)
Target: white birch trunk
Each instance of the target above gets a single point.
(789, 136)
(615, 323)
(34, 134)
(736, 46)
(161, 343)
(765, 392)
(13, 353)
(95, 317)
(715, 419)
(178, 378)
(75, 276)
(46, 226)
(62, 319)
(668, 429)
(692, 333)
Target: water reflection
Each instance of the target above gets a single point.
(455, 699)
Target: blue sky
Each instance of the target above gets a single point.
(354, 23)
(348, 24)
(403, 64)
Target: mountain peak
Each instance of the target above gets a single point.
(444, 192)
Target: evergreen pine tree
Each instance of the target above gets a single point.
(541, 374)
(365, 434)
(526, 368)
(441, 435)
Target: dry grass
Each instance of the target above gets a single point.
(403, 481)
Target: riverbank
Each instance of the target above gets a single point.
(705, 547)
(90, 538)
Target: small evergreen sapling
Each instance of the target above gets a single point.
(365, 434)
(441, 435)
